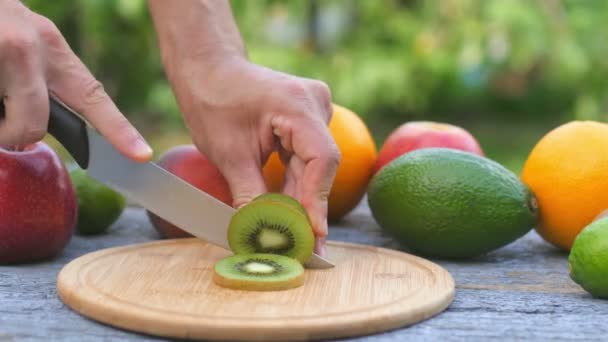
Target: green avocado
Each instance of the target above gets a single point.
(447, 203)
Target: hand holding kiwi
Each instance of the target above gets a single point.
(271, 238)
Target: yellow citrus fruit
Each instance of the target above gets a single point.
(568, 172)
(358, 158)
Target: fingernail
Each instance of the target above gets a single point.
(142, 148)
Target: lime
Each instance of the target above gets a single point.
(98, 205)
(588, 260)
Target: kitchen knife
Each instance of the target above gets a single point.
(147, 184)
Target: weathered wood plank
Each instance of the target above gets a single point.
(519, 292)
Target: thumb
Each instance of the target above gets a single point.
(246, 181)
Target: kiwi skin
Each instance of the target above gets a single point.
(271, 220)
(287, 273)
(282, 198)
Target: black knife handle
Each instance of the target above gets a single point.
(69, 129)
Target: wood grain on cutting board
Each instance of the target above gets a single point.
(165, 288)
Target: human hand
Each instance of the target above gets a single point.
(35, 60)
(239, 112)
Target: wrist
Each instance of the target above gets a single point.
(196, 30)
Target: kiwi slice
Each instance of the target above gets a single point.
(271, 227)
(258, 272)
(282, 198)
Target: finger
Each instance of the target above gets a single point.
(293, 172)
(314, 188)
(320, 247)
(323, 95)
(73, 84)
(290, 183)
(314, 147)
(24, 93)
(95, 105)
(312, 96)
(282, 130)
(26, 115)
(245, 180)
(291, 165)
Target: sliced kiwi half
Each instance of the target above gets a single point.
(258, 272)
(271, 227)
(282, 198)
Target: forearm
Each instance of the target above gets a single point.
(201, 30)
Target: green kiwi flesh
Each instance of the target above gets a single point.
(282, 198)
(258, 272)
(271, 227)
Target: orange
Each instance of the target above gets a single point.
(568, 172)
(358, 158)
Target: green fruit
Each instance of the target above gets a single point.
(282, 198)
(588, 259)
(451, 204)
(265, 226)
(258, 272)
(98, 205)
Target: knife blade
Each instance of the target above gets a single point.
(159, 191)
(147, 184)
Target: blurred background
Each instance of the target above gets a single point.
(507, 71)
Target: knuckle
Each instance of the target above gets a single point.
(296, 89)
(93, 92)
(283, 124)
(334, 156)
(329, 162)
(321, 89)
(329, 113)
(19, 43)
(309, 97)
(47, 30)
(323, 93)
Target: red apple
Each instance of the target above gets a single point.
(424, 134)
(189, 164)
(38, 205)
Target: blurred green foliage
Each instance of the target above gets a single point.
(402, 59)
(390, 61)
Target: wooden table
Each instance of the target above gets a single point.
(520, 292)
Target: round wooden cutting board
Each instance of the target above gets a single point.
(165, 288)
